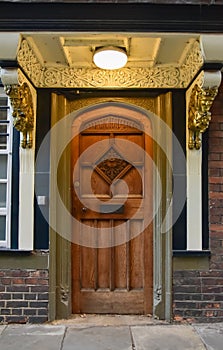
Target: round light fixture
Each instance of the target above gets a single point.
(110, 57)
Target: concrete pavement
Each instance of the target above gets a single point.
(131, 335)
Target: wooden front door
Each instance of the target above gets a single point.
(112, 196)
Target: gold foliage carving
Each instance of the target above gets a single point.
(146, 103)
(23, 116)
(30, 63)
(199, 113)
(112, 123)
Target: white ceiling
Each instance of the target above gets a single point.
(144, 49)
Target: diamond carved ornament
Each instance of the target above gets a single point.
(112, 166)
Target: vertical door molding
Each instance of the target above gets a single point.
(163, 228)
(60, 250)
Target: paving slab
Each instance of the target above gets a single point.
(211, 334)
(32, 337)
(168, 337)
(98, 338)
(2, 327)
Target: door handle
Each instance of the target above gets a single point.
(84, 209)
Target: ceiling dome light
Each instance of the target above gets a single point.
(110, 58)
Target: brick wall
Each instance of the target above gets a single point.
(198, 295)
(24, 296)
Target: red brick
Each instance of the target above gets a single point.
(215, 219)
(215, 211)
(215, 266)
(217, 111)
(216, 202)
(214, 172)
(35, 273)
(214, 125)
(215, 180)
(213, 281)
(18, 288)
(216, 141)
(17, 303)
(39, 304)
(39, 289)
(211, 273)
(17, 295)
(216, 164)
(43, 296)
(216, 235)
(5, 296)
(16, 319)
(214, 187)
(18, 273)
(29, 311)
(214, 227)
(33, 281)
(6, 281)
(18, 281)
(217, 252)
(216, 195)
(43, 312)
(216, 134)
(43, 281)
(214, 156)
(38, 319)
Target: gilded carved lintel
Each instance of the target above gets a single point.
(23, 114)
(160, 76)
(201, 100)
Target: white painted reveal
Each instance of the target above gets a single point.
(26, 170)
(194, 171)
(26, 185)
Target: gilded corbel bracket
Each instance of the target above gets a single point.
(201, 100)
(23, 114)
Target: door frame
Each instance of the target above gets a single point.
(60, 248)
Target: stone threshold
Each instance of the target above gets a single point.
(94, 320)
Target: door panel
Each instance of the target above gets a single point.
(113, 274)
